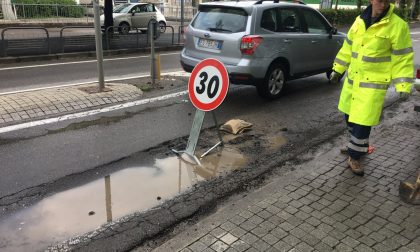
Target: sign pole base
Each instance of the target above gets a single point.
(189, 152)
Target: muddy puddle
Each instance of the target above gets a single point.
(274, 142)
(84, 208)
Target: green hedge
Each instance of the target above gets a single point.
(340, 17)
(345, 17)
(48, 8)
(403, 13)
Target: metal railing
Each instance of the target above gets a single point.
(25, 41)
(77, 42)
(19, 44)
(113, 37)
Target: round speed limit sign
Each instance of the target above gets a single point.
(208, 84)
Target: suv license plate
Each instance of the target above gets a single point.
(207, 43)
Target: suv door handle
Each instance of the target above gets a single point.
(314, 41)
(287, 41)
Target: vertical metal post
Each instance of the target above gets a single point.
(56, 10)
(182, 15)
(195, 131)
(98, 40)
(152, 52)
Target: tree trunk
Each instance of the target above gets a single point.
(359, 5)
(415, 10)
(109, 21)
(403, 4)
(6, 8)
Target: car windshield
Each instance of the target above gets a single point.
(122, 8)
(219, 19)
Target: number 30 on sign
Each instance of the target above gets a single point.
(208, 84)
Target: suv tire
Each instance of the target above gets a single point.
(273, 82)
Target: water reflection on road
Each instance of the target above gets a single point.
(82, 209)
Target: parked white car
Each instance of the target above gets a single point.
(136, 15)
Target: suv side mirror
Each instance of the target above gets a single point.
(333, 31)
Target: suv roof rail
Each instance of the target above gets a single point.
(276, 1)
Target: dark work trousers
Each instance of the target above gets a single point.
(359, 139)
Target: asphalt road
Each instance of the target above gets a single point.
(64, 72)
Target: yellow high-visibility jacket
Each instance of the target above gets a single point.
(374, 59)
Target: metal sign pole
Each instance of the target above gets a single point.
(195, 131)
(152, 52)
(205, 101)
(98, 41)
(193, 138)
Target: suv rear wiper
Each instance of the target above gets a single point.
(219, 29)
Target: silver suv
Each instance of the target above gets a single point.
(262, 43)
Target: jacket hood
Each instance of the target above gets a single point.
(367, 13)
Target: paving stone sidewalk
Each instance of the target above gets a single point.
(21, 107)
(322, 206)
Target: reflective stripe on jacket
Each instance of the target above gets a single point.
(374, 58)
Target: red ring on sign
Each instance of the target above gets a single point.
(225, 85)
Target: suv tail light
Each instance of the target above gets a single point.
(418, 74)
(249, 44)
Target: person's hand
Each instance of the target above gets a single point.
(404, 96)
(335, 78)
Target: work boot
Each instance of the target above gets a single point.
(355, 166)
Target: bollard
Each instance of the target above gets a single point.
(157, 66)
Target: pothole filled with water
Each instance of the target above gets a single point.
(81, 209)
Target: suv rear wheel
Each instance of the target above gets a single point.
(273, 82)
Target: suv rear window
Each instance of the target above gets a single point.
(219, 19)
